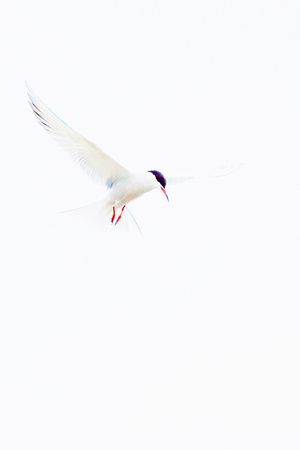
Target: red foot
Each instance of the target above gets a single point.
(120, 215)
(114, 215)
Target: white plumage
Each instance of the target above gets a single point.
(122, 185)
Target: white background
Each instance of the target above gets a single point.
(186, 337)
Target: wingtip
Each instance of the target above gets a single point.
(27, 86)
(235, 167)
(225, 170)
(30, 92)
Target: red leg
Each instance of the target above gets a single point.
(120, 215)
(114, 215)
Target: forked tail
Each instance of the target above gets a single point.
(101, 213)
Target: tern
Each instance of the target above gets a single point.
(122, 185)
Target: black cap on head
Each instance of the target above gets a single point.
(159, 176)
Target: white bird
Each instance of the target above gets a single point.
(123, 186)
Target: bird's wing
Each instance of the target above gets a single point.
(218, 172)
(90, 157)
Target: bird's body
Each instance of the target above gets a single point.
(122, 185)
(130, 188)
(125, 191)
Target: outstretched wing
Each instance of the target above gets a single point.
(90, 157)
(218, 172)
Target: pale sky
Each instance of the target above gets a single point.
(188, 336)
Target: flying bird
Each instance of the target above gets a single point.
(122, 185)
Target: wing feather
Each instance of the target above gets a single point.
(218, 172)
(88, 155)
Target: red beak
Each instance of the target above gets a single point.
(164, 191)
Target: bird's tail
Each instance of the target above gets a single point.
(101, 213)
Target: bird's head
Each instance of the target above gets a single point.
(161, 181)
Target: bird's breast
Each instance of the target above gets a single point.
(128, 190)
